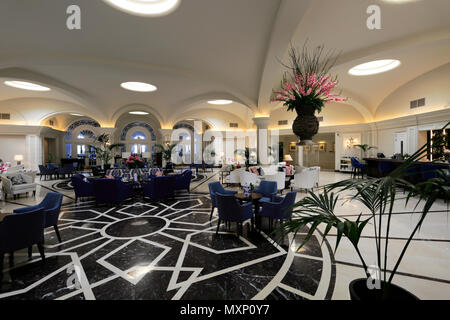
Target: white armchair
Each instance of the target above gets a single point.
(308, 178)
(248, 178)
(279, 177)
(18, 183)
(234, 177)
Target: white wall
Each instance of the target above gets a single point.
(10, 146)
(434, 86)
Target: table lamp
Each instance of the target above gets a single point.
(18, 158)
(287, 158)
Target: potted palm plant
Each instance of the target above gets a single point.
(103, 149)
(364, 148)
(306, 87)
(377, 196)
(166, 151)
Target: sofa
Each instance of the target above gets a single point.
(18, 183)
(183, 180)
(111, 190)
(158, 188)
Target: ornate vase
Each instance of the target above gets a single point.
(306, 125)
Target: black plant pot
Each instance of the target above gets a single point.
(306, 125)
(360, 292)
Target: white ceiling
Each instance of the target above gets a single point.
(210, 49)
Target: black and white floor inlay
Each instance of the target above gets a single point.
(166, 250)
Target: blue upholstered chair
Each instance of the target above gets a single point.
(230, 210)
(52, 207)
(357, 168)
(81, 187)
(158, 188)
(46, 172)
(214, 188)
(267, 189)
(68, 169)
(183, 181)
(19, 231)
(277, 208)
(111, 190)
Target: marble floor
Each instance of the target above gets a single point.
(169, 250)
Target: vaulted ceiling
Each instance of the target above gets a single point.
(206, 49)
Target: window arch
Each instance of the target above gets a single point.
(78, 123)
(123, 135)
(138, 135)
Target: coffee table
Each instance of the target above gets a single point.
(254, 198)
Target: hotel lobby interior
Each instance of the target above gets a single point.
(224, 150)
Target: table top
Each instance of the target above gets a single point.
(254, 196)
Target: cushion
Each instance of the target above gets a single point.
(159, 173)
(254, 170)
(289, 171)
(16, 180)
(261, 171)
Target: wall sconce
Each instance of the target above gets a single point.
(350, 142)
(18, 158)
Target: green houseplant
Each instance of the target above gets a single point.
(378, 196)
(166, 151)
(103, 148)
(364, 148)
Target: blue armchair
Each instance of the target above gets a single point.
(19, 231)
(68, 169)
(46, 172)
(231, 211)
(277, 208)
(52, 207)
(82, 188)
(268, 189)
(183, 181)
(111, 190)
(159, 187)
(214, 188)
(357, 168)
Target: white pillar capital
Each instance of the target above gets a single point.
(262, 122)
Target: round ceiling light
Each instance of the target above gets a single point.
(138, 86)
(152, 8)
(220, 102)
(374, 67)
(26, 86)
(139, 113)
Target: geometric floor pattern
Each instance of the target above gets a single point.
(167, 250)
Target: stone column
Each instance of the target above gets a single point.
(262, 134)
(33, 150)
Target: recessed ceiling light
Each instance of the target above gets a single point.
(138, 86)
(139, 113)
(153, 8)
(76, 114)
(220, 102)
(374, 67)
(26, 86)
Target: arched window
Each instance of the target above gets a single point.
(138, 135)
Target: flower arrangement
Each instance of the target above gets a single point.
(134, 162)
(308, 82)
(4, 166)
